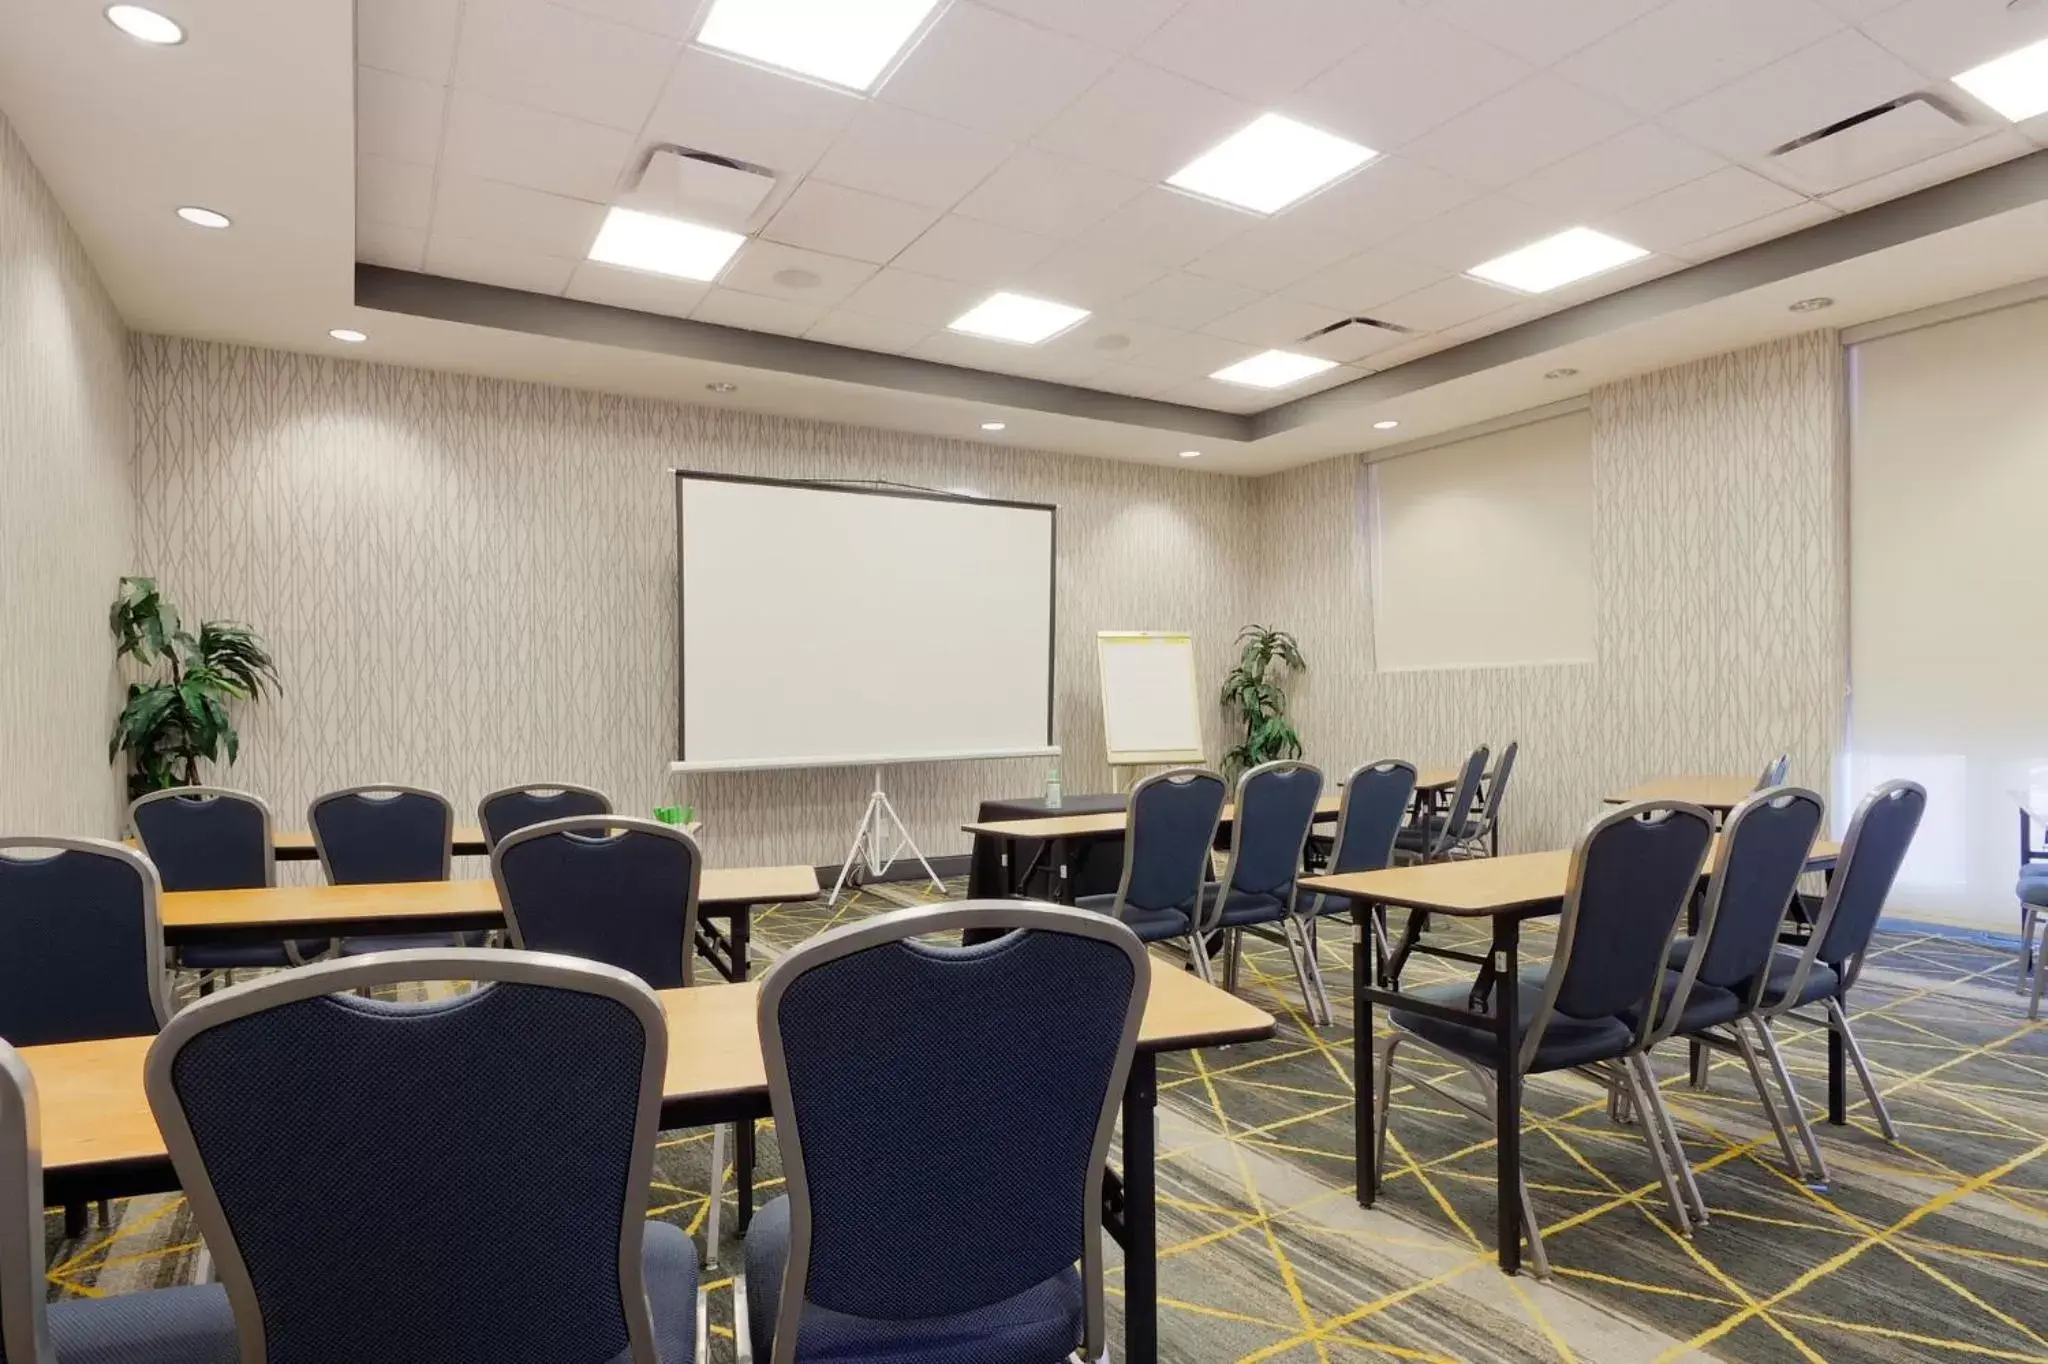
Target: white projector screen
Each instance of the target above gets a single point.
(830, 626)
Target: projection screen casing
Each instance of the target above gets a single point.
(822, 625)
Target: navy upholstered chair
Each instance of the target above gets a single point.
(382, 833)
(213, 838)
(1480, 834)
(1774, 773)
(1276, 805)
(946, 1155)
(1631, 875)
(1435, 838)
(619, 891)
(365, 1216)
(516, 807)
(168, 1326)
(81, 944)
(2032, 890)
(1168, 834)
(1375, 806)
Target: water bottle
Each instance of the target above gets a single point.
(1053, 799)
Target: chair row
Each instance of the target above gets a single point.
(363, 1216)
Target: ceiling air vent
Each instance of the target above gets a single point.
(1353, 338)
(1908, 129)
(702, 187)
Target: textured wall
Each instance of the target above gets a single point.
(66, 516)
(471, 582)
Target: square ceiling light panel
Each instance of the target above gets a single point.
(1271, 163)
(1017, 318)
(2016, 84)
(1274, 369)
(1574, 254)
(663, 246)
(851, 43)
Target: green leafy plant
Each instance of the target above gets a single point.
(1253, 696)
(177, 713)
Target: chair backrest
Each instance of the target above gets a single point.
(206, 838)
(1497, 787)
(1464, 803)
(517, 807)
(22, 1287)
(620, 891)
(81, 942)
(1774, 773)
(1631, 875)
(1880, 833)
(346, 1158)
(1765, 842)
(947, 1153)
(1376, 801)
(382, 832)
(1276, 806)
(1167, 837)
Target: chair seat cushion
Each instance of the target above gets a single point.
(167, 1326)
(1566, 1041)
(1151, 925)
(1041, 1325)
(362, 947)
(668, 1260)
(1242, 907)
(1706, 1007)
(2033, 883)
(1822, 982)
(246, 956)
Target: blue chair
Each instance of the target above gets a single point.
(1774, 774)
(367, 1216)
(382, 833)
(1480, 836)
(1631, 875)
(1276, 805)
(2032, 891)
(945, 1155)
(516, 807)
(1375, 806)
(1168, 835)
(167, 1326)
(213, 838)
(1435, 838)
(81, 943)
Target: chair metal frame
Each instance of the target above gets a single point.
(1376, 921)
(1774, 773)
(415, 966)
(529, 788)
(152, 897)
(371, 790)
(1198, 955)
(24, 1332)
(291, 945)
(1292, 934)
(1463, 809)
(901, 925)
(1486, 823)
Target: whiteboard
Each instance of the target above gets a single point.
(830, 626)
(1151, 708)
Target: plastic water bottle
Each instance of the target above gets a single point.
(1053, 799)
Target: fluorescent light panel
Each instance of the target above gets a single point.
(663, 246)
(1016, 318)
(1274, 369)
(1270, 164)
(2016, 85)
(145, 24)
(1574, 254)
(846, 42)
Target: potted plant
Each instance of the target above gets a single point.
(1254, 697)
(177, 713)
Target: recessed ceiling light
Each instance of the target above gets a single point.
(203, 217)
(1566, 373)
(145, 24)
(1014, 317)
(798, 279)
(722, 387)
(350, 335)
(663, 246)
(1812, 305)
(1574, 254)
(993, 426)
(1273, 369)
(1114, 341)
(1384, 426)
(2016, 84)
(1191, 454)
(1270, 164)
(846, 44)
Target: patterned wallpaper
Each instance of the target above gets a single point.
(66, 515)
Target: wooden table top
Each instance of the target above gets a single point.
(1722, 791)
(94, 1111)
(1481, 887)
(296, 845)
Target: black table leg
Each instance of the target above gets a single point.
(1366, 967)
(742, 935)
(1507, 932)
(1063, 885)
(1838, 1094)
(1141, 1228)
(743, 1171)
(74, 1221)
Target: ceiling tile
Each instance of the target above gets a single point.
(1767, 228)
(848, 222)
(891, 151)
(1683, 49)
(508, 267)
(1944, 38)
(1000, 357)
(411, 37)
(1222, 397)
(1196, 354)
(1446, 304)
(1087, 278)
(1856, 11)
(531, 147)
(1168, 228)
(716, 104)
(1643, 161)
(1813, 88)
(1413, 74)
(1035, 191)
(667, 17)
(730, 308)
(1186, 302)
(975, 252)
(1478, 231)
(901, 296)
(755, 268)
(1136, 380)
(1144, 122)
(1388, 196)
(1265, 50)
(567, 63)
(1273, 321)
(507, 215)
(1541, 33)
(1107, 340)
(1276, 252)
(1711, 204)
(990, 71)
(394, 192)
(1348, 345)
(398, 117)
(635, 289)
(867, 333)
(1519, 132)
(1361, 284)
(2003, 145)
(1118, 24)
(401, 248)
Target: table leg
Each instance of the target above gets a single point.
(743, 1171)
(742, 938)
(1507, 932)
(1063, 886)
(1838, 1095)
(1365, 968)
(1141, 1228)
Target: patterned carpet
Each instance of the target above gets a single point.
(1935, 1248)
